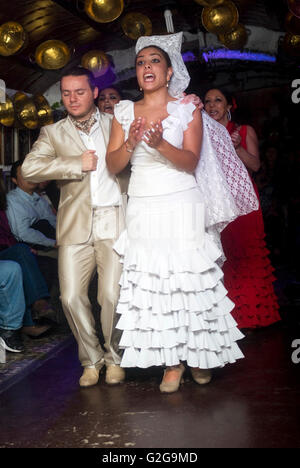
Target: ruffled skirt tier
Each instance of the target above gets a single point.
(173, 305)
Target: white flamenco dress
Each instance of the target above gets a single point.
(173, 306)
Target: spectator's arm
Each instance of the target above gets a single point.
(20, 224)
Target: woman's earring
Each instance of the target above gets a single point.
(141, 89)
(229, 115)
(167, 84)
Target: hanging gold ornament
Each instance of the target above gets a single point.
(136, 25)
(96, 61)
(209, 3)
(294, 7)
(291, 44)
(25, 111)
(220, 19)
(52, 55)
(103, 11)
(44, 111)
(12, 38)
(235, 39)
(292, 23)
(7, 114)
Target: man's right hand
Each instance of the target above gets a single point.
(89, 161)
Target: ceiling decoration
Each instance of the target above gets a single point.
(104, 26)
(12, 38)
(96, 61)
(103, 11)
(52, 55)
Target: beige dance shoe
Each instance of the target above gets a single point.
(171, 385)
(201, 376)
(89, 377)
(114, 374)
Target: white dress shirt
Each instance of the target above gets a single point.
(104, 188)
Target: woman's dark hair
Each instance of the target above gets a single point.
(164, 54)
(3, 205)
(228, 96)
(114, 87)
(81, 71)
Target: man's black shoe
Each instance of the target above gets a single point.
(11, 340)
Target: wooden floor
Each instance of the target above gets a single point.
(253, 403)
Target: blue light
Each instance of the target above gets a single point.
(237, 55)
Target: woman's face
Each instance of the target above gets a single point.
(152, 70)
(107, 100)
(216, 105)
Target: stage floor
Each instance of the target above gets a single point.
(253, 403)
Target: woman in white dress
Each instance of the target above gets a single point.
(173, 305)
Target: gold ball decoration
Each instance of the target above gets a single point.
(292, 24)
(291, 44)
(220, 19)
(96, 61)
(52, 55)
(136, 25)
(104, 11)
(209, 3)
(294, 7)
(7, 113)
(235, 39)
(44, 111)
(25, 111)
(12, 38)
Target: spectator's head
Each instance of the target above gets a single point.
(18, 179)
(108, 98)
(78, 91)
(218, 104)
(2, 195)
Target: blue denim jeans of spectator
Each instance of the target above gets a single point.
(12, 300)
(34, 284)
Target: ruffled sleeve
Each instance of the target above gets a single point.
(124, 113)
(180, 115)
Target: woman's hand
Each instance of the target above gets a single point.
(236, 138)
(154, 135)
(136, 132)
(194, 99)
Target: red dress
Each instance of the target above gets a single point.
(248, 273)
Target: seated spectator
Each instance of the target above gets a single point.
(35, 288)
(50, 192)
(30, 216)
(12, 306)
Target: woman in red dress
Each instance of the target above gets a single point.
(248, 273)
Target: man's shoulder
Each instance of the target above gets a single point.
(52, 128)
(14, 195)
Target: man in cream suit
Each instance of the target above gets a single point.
(89, 220)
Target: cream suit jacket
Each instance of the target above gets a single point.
(56, 156)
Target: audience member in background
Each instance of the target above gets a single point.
(30, 216)
(12, 306)
(35, 292)
(42, 191)
(33, 222)
(108, 98)
(248, 273)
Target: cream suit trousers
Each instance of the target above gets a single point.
(77, 264)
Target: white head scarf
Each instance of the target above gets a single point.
(171, 44)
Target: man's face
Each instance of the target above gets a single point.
(77, 96)
(23, 184)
